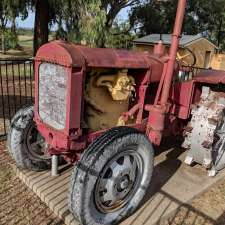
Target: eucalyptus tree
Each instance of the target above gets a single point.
(9, 11)
(87, 21)
(3, 22)
(111, 9)
(91, 21)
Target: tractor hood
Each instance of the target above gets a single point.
(70, 55)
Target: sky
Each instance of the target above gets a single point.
(29, 22)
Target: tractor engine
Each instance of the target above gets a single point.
(107, 95)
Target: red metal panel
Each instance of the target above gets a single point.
(61, 53)
(75, 89)
(211, 77)
(68, 54)
(105, 57)
(181, 97)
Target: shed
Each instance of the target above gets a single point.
(200, 46)
(218, 62)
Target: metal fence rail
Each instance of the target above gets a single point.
(16, 89)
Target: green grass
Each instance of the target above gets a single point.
(17, 70)
(26, 43)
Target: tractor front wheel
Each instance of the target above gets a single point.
(25, 143)
(112, 177)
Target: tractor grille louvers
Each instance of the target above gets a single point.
(52, 95)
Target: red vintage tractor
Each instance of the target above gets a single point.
(104, 110)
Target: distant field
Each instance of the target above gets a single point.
(26, 44)
(25, 40)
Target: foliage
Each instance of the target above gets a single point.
(90, 22)
(9, 11)
(3, 15)
(120, 36)
(86, 21)
(202, 16)
(209, 17)
(11, 40)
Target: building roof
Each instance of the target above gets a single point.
(166, 38)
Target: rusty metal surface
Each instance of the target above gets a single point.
(68, 54)
(181, 97)
(112, 58)
(211, 76)
(200, 132)
(60, 52)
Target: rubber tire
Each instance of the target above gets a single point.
(16, 143)
(87, 170)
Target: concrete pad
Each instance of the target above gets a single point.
(174, 184)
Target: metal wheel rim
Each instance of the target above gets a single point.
(36, 144)
(121, 184)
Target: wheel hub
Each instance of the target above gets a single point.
(124, 183)
(116, 184)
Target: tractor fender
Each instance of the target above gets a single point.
(211, 77)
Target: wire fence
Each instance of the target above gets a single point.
(16, 89)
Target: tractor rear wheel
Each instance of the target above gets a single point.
(25, 143)
(112, 177)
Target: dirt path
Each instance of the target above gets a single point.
(19, 205)
(207, 209)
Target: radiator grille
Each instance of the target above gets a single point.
(52, 95)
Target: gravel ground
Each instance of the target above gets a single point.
(18, 204)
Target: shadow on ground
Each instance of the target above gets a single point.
(157, 202)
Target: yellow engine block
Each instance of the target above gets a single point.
(107, 96)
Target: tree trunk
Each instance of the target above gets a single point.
(3, 43)
(219, 33)
(41, 30)
(13, 27)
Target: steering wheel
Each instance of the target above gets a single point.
(188, 58)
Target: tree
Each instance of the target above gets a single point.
(153, 17)
(88, 21)
(3, 22)
(112, 9)
(91, 21)
(48, 12)
(41, 30)
(120, 36)
(9, 10)
(202, 16)
(209, 19)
